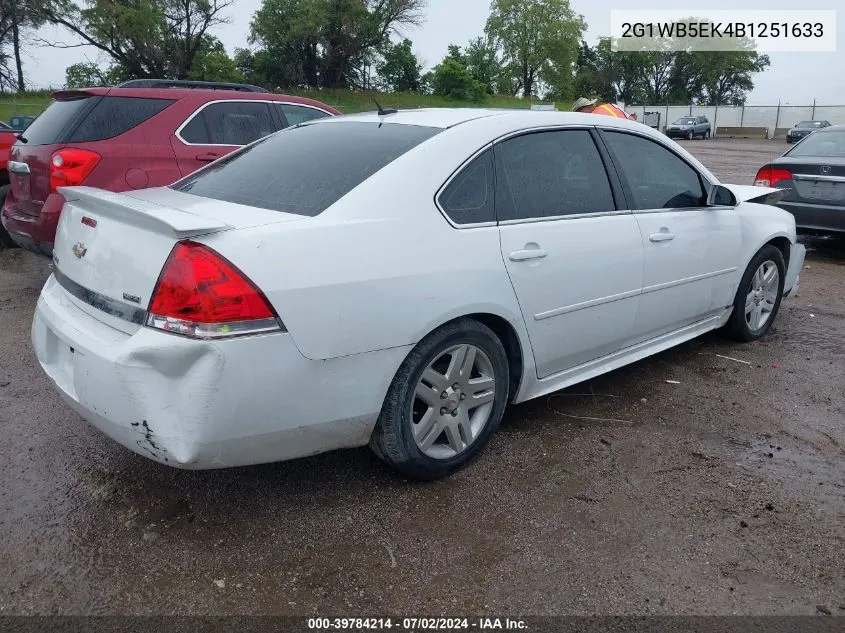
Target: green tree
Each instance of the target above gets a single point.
(145, 38)
(482, 62)
(452, 80)
(213, 63)
(325, 43)
(89, 74)
(538, 38)
(18, 21)
(400, 69)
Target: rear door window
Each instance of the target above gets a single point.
(551, 174)
(229, 123)
(113, 116)
(295, 114)
(304, 170)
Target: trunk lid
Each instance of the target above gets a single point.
(815, 180)
(110, 248)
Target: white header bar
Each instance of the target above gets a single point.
(702, 30)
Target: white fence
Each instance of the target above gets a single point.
(776, 117)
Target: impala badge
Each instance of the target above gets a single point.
(79, 250)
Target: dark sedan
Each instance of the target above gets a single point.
(804, 128)
(813, 175)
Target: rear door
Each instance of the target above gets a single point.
(689, 248)
(218, 128)
(574, 261)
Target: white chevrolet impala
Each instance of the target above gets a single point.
(396, 280)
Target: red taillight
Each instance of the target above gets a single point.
(202, 295)
(70, 167)
(769, 176)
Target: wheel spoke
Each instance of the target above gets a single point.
(453, 437)
(770, 296)
(437, 381)
(429, 396)
(461, 356)
(758, 317)
(770, 277)
(749, 304)
(477, 399)
(464, 426)
(425, 442)
(426, 425)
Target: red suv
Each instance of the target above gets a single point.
(142, 133)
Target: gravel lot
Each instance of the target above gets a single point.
(723, 494)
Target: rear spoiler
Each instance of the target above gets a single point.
(141, 213)
(759, 195)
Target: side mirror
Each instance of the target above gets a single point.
(721, 196)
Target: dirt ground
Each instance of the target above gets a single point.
(721, 494)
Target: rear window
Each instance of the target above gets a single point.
(88, 119)
(824, 144)
(48, 128)
(304, 170)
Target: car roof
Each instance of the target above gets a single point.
(445, 118)
(197, 94)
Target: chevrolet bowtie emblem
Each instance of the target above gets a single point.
(79, 250)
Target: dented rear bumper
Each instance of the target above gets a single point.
(202, 404)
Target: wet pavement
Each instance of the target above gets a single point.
(722, 492)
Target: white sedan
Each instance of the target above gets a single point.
(395, 280)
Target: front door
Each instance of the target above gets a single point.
(691, 250)
(574, 261)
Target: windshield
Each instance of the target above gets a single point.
(825, 144)
(809, 124)
(305, 169)
(685, 121)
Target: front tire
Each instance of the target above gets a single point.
(690, 135)
(707, 135)
(759, 296)
(445, 402)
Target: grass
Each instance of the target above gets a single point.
(347, 101)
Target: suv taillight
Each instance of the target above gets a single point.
(70, 167)
(770, 176)
(202, 295)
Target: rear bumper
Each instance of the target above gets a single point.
(199, 404)
(816, 217)
(33, 232)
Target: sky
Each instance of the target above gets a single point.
(793, 78)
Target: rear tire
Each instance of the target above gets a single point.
(445, 402)
(707, 135)
(759, 296)
(6, 240)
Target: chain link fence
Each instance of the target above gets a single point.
(775, 119)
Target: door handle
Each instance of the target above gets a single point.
(208, 157)
(662, 237)
(523, 256)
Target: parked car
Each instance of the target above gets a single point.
(812, 177)
(396, 280)
(804, 128)
(20, 122)
(143, 133)
(689, 127)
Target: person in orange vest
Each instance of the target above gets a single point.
(590, 106)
